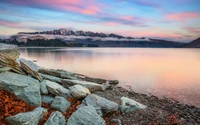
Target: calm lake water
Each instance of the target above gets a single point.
(172, 73)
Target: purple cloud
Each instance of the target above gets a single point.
(90, 7)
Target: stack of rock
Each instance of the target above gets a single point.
(23, 78)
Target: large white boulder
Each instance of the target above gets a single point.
(79, 92)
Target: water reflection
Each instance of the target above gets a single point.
(162, 72)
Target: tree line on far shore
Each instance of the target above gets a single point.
(46, 43)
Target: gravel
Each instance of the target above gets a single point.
(159, 111)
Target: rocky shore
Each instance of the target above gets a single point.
(30, 95)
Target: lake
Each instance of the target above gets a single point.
(173, 73)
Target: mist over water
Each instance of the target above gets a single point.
(173, 73)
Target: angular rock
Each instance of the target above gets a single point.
(51, 78)
(79, 92)
(58, 73)
(43, 87)
(106, 86)
(90, 85)
(10, 50)
(113, 82)
(101, 104)
(86, 115)
(30, 71)
(28, 118)
(30, 68)
(24, 87)
(60, 103)
(56, 89)
(7, 61)
(29, 63)
(56, 118)
(129, 105)
(47, 99)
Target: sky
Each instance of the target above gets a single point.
(177, 20)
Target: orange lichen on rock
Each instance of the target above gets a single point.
(107, 118)
(10, 105)
(72, 108)
(67, 114)
(172, 119)
(47, 114)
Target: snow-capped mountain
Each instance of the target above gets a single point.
(100, 39)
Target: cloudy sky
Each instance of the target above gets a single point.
(168, 19)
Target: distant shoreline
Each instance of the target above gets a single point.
(109, 47)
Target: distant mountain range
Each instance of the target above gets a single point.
(68, 32)
(193, 44)
(95, 39)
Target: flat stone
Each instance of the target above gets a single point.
(129, 105)
(56, 118)
(51, 78)
(96, 80)
(10, 50)
(86, 115)
(27, 118)
(79, 92)
(68, 83)
(24, 87)
(58, 73)
(60, 103)
(90, 85)
(47, 99)
(43, 87)
(74, 76)
(90, 79)
(101, 104)
(56, 89)
(4, 69)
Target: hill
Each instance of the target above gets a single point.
(193, 44)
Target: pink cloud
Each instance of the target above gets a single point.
(156, 33)
(9, 24)
(109, 24)
(90, 10)
(128, 20)
(194, 30)
(89, 7)
(184, 1)
(182, 17)
(126, 17)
